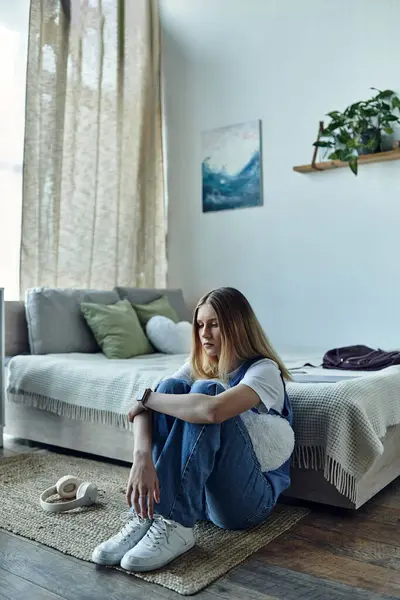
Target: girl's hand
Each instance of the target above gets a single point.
(143, 487)
(135, 410)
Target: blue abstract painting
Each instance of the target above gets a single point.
(231, 167)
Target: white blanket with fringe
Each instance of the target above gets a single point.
(90, 387)
(338, 426)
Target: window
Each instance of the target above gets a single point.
(14, 18)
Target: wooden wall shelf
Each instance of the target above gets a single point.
(338, 164)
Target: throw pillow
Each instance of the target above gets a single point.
(158, 307)
(169, 337)
(55, 321)
(146, 295)
(117, 329)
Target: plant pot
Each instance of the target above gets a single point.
(370, 141)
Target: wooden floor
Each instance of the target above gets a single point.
(329, 555)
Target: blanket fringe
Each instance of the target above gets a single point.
(314, 457)
(63, 409)
(309, 457)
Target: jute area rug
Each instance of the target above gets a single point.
(24, 477)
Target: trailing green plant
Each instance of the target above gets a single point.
(358, 129)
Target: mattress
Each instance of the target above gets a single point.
(306, 368)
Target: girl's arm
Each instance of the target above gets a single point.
(261, 383)
(143, 489)
(142, 430)
(200, 408)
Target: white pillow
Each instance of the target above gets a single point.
(169, 337)
(272, 438)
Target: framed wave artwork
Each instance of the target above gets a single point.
(231, 167)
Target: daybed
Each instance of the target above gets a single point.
(347, 432)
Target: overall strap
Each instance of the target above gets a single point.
(287, 407)
(237, 378)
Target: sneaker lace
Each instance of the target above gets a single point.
(132, 522)
(159, 530)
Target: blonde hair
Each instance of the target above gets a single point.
(242, 336)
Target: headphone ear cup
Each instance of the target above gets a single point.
(87, 492)
(67, 486)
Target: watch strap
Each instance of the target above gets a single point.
(144, 398)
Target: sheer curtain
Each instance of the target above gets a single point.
(93, 201)
(13, 48)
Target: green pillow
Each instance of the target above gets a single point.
(160, 307)
(117, 329)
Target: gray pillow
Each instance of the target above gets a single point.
(55, 321)
(16, 329)
(144, 296)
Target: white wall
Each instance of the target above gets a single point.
(320, 261)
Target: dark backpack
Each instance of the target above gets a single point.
(359, 358)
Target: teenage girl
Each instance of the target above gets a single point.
(193, 456)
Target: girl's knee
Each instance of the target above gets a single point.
(173, 386)
(228, 524)
(208, 387)
(233, 523)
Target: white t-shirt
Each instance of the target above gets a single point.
(263, 377)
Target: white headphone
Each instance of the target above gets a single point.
(80, 493)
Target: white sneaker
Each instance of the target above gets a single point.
(163, 542)
(112, 550)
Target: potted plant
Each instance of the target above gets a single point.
(358, 129)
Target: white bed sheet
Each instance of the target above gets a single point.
(316, 374)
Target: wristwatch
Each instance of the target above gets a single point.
(143, 397)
